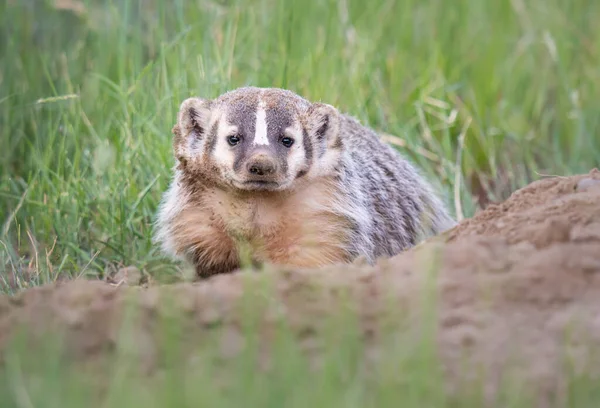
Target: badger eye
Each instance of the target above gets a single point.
(287, 141)
(233, 140)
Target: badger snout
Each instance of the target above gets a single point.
(260, 170)
(261, 166)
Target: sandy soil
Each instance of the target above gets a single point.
(514, 282)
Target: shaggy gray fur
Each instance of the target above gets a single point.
(402, 206)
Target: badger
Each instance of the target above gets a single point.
(265, 173)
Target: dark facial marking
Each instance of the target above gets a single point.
(279, 118)
(242, 114)
(308, 147)
(241, 152)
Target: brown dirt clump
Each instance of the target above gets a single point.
(518, 285)
(558, 209)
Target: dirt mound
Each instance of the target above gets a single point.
(519, 282)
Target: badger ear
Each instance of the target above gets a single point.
(323, 123)
(192, 123)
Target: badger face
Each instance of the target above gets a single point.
(257, 139)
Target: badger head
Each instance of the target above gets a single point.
(256, 139)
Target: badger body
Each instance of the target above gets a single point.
(263, 171)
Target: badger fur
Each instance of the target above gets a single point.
(293, 182)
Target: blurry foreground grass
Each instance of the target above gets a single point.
(89, 92)
(165, 358)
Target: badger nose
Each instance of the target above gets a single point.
(261, 166)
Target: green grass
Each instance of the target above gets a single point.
(88, 99)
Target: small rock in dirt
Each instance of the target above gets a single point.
(587, 184)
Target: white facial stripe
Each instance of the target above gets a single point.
(260, 136)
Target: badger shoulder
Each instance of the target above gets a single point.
(403, 205)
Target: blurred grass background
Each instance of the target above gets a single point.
(89, 91)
